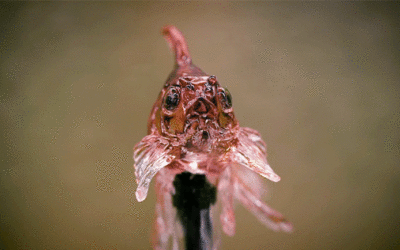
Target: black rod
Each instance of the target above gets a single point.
(193, 199)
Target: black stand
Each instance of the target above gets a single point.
(193, 198)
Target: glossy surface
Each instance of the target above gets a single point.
(192, 128)
(318, 80)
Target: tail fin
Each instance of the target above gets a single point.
(178, 44)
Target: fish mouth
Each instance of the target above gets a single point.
(201, 132)
(201, 127)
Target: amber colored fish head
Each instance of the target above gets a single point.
(194, 109)
(192, 128)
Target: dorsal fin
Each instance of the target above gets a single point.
(178, 44)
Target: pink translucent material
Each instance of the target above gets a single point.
(241, 168)
(251, 153)
(151, 154)
(192, 127)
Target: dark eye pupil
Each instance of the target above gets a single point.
(226, 99)
(171, 101)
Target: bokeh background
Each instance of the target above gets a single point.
(320, 81)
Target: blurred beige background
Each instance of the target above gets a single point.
(320, 81)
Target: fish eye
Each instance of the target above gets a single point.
(171, 100)
(226, 98)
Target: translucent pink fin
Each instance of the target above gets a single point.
(165, 224)
(150, 155)
(251, 153)
(178, 44)
(225, 193)
(269, 217)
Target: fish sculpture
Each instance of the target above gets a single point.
(199, 154)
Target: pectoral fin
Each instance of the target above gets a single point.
(151, 154)
(251, 153)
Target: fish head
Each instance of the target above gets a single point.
(196, 110)
(192, 127)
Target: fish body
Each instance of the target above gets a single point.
(192, 132)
